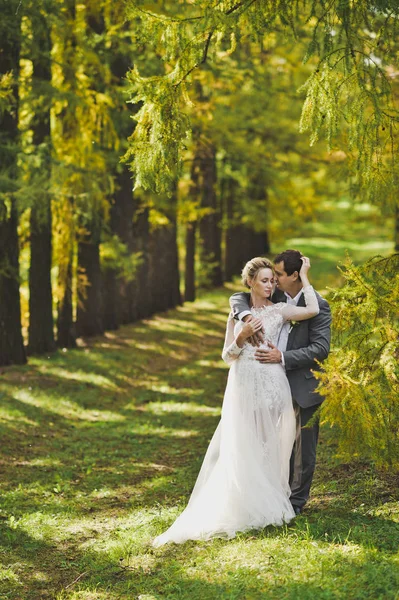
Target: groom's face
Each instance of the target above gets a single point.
(284, 281)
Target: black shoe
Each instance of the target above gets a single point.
(297, 510)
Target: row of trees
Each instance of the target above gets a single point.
(64, 193)
(99, 254)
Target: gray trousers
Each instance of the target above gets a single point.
(303, 458)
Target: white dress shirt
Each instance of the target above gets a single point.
(286, 328)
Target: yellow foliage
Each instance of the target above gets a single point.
(360, 379)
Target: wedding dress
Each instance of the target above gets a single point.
(243, 481)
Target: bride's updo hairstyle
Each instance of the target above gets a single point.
(252, 268)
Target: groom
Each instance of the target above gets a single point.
(299, 346)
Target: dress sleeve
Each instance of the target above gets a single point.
(300, 313)
(230, 350)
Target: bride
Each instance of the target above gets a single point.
(243, 481)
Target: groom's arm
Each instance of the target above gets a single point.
(319, 341)
(239, 304)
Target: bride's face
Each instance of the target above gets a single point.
(264, 283)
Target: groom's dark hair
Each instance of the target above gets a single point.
(291, 259)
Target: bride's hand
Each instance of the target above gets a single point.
(252, 331)
(251, 327)
(303, 273)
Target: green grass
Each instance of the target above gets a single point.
(101, 446)
(342, 229)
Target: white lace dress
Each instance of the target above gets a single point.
(243, 481)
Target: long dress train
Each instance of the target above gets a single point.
(243, 481)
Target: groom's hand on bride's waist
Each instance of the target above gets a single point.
(270, 355)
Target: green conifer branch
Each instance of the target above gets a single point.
(329, 103)
(361, 378)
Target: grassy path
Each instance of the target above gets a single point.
(100, 449)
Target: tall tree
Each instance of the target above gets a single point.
(191, 230)
(210, 224)
(41, 328)
(119, 293)
(142, 289)
(66, 335)
(246, 221)
(89, 318)
(11, 343)
(163, 268)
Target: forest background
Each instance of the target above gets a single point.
(149, 149)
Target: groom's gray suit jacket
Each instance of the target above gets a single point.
(308, 341)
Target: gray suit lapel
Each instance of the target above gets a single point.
(278, 297)
(292, 333)
(301, 301)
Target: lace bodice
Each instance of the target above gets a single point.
(273, 321)
(273, 318)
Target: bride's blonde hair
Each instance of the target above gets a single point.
(252, 268)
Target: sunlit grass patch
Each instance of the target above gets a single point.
(323, 244)
(162, 431)
(93, 594)
(61, 405)
(7, 573)
(78, 376)
(15, 417)
(159, 408)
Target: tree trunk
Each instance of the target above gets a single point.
(164, 278)
(242, 244)
(125, 209)
(89, 317)
(141, 231)
(241, 241)
(173, 297)
(189, 270)
(111, 297)
(210, 226)
(233, 243)
(110, 300)
(260, 241)
(90, 309)
(119, 296)
(397, 228)
(66, 336)
(191, 231)
(41, 327)
(122, 294)
(11, 344)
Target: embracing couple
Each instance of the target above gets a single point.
(259, 465)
